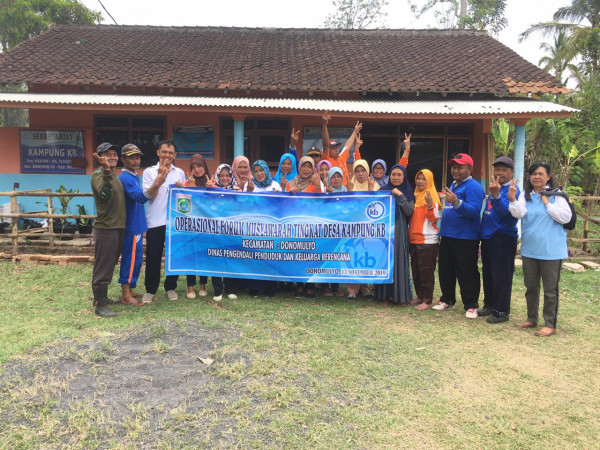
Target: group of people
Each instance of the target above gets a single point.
(426, 230)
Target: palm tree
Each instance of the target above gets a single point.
(557, 61)
(581, 24)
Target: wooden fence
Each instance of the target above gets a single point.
(46, 233)
(586, 214)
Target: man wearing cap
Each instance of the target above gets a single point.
(109, 226)
(499, 236)
(156, 218)
(331, 148)
(459, 232)
(135, 198)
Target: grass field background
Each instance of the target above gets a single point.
(322, 372)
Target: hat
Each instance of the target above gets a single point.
(130, 149)
(106, 146)
(462, 159)
(314, 151)
(504, 160)
(333, 143)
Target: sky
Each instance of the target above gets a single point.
(311, 14)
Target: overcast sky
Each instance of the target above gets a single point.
(310, 14)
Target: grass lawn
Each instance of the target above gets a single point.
(325, 373)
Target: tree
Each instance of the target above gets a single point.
(465, 14)
(356, 14)
(581, 24)
(23, 19)
(557, 61)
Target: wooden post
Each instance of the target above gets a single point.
(15, 225)
(50, 220)
(586, 224)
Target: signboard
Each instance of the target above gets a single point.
(347, 237)
(52, 151)
(196, 139)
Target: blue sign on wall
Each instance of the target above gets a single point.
(347, 237)
(195, 139)
(52, 151)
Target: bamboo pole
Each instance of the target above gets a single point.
(50, 221)
(15, 224)
(43, 193)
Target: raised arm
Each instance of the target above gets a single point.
(350, 142)
(404, 159)
(293, 142)
(325, 134)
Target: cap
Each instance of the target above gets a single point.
(106, 146)
(333, 143)
(314, 151)
(130, 149)
(504, 160)
(462, 159)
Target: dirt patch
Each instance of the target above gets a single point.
(143, 385)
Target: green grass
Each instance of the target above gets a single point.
(322, 373)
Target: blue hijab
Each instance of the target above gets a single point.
(332, 172)
(405, 187)
(384, 179)
(293, 173)
(268, 180)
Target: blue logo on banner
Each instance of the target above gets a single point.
(375, 210)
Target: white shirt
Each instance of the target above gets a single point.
(274, 187)
(156, 212)
(559, 210)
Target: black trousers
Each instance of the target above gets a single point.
(458, 261)
(498, 258)
(107, 249)
(155, 245)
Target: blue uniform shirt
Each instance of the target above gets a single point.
(134, 203)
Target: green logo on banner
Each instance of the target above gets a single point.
(184, 204)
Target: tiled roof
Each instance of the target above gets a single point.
(287, 60)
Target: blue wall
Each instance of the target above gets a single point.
(30, 182)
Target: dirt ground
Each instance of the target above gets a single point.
(150, 380)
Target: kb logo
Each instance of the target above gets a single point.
(184, 204)
(364, 260)
(375, 210)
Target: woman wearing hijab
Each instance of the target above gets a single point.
(360, 182)
(261, 181)
(286, 171)
(306, 180)
(197, 177)
(323, 169)
(224, 178)
(241, 170)
(424, 239)
(335, 181)
(379, 169)
(399, 291)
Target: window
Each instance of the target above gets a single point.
(144, 131)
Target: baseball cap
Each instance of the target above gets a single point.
(106, 146)
(504, 160)
(462, 159)
(314, 151)
(333, 143)
(130, 149)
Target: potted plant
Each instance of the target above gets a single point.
(62, 225)
(84, 225)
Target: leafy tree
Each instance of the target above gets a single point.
(465, 14)
(356, 14)
(24, 19)
(581, 24)
(557, 61)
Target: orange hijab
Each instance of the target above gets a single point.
(429, 186)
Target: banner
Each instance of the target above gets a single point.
(320, 238)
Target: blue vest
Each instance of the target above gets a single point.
(542, 237)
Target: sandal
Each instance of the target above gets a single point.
(327, 292)
(423, 306)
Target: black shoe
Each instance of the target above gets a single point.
(270, 293)
(495, 319)
(485, 311)
(103, 311)
(253, 293)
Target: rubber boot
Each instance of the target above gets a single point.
(100, 298)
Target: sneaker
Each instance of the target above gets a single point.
(351, 297)
(191, 294)
(147, 298)
(172, 295)
(231, 296)
(471, 313)
(218, 298)
(485, 311)
(441, 306)
(494, 319)
(202, 293)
